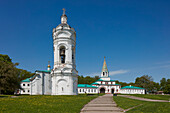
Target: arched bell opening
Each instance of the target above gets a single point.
(62, 54)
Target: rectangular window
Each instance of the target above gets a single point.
(91, 90)
(23, 84)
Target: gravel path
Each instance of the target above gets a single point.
(143, 99)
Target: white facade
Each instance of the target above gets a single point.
(132, 90)
(64, 74)
(41, 83)
(83, 90)
(25, 88)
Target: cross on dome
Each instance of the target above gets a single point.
(64, 17)
(64, 10)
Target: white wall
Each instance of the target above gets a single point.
(132, 91)
(87, 90)
(41, 85)
(26, 88)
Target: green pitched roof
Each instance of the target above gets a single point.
(106, 80)
(95, 83)
(86, 86)
(131, 87)
(27, 79)
(100, 80)
(46, 71)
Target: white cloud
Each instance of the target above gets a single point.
(111, 73)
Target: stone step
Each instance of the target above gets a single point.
(102, 101)
(109, 111)
(101, 112)
(100, 105)
(101, 109)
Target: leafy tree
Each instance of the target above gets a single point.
(5, 58)
(10, 76)
(165, 85)
(23, 74)
(9, 81)
(87, 79)
(146, 82)
(156, 86)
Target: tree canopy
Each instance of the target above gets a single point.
(10, 75)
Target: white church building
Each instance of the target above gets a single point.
(63, 78)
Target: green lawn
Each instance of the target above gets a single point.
(145, 107)
(44, 104)
(158, 97)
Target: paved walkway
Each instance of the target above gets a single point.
(143, 99)
(102, 104)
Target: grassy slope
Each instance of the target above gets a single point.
(158, 97)
(146, 107)
(44, 104)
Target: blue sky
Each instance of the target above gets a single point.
(133, 35)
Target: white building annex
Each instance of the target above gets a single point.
(63, 78)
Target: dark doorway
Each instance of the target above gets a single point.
(102, 90)
(112, 91)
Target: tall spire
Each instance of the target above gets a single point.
(105, 72)
(104, 69)
(64, 17)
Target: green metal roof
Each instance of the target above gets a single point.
(95, 83)
(100, 80)
(46, 71)
(27, 79)
(118, 84)
(131, 87)
(106, 80)
(86, 86)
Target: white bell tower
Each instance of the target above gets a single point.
(64, 73)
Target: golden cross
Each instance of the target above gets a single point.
(64, 10)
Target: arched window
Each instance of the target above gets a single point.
(106, 73)
(103, 73)
(62, 89)
(62, 54)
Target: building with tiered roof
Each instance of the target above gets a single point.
(103, 85)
